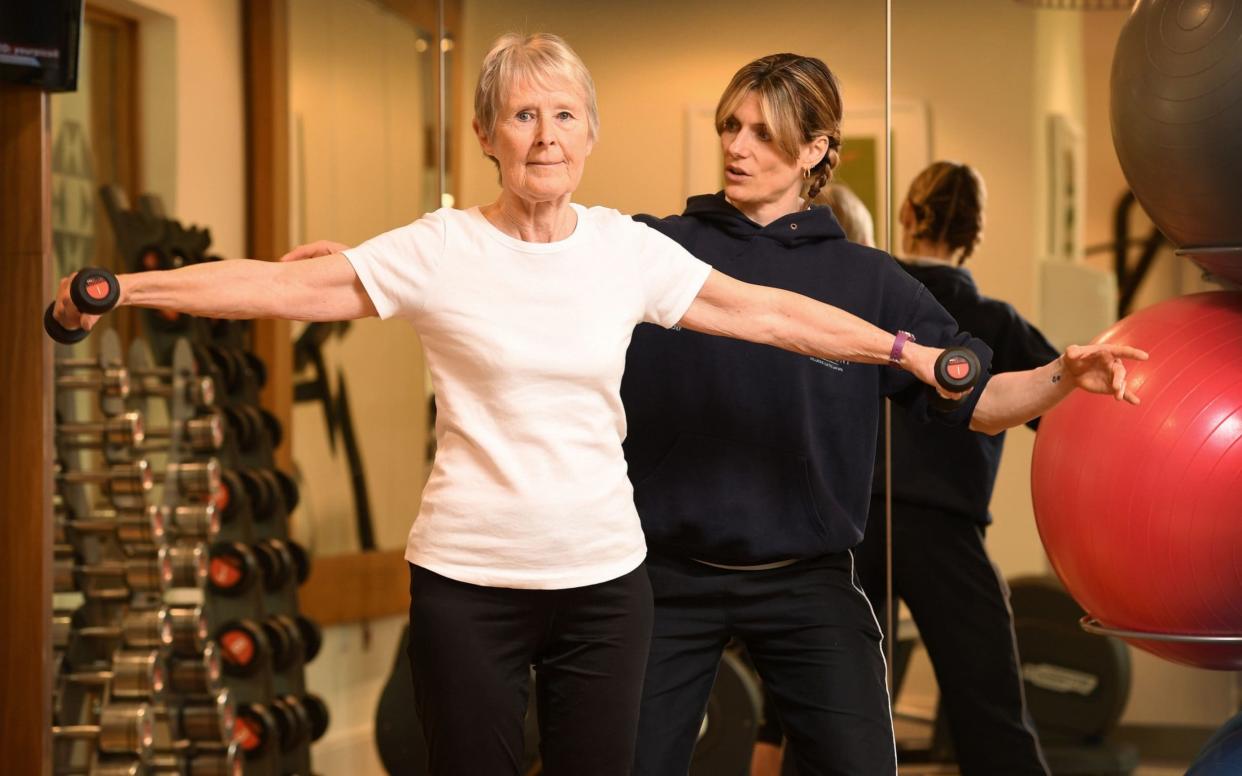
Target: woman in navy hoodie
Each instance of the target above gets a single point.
(752, 466)
(942, 484)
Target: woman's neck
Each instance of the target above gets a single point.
(532, 221)
(930, 251)
(764, 213)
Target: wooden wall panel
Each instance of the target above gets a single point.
(25, 432)
(266, 30)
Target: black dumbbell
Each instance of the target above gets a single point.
(230, 498)
(289, 492)
(277, 563)
(957, 370)
(301, 561)
(124, 728)
(124, 430)
(232, 568)
(256, 730)
(312, 636)
(244, 647)
(94, 291)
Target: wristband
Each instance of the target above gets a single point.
(894, 356)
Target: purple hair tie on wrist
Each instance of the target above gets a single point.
(899, 342)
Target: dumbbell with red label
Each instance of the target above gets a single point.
(957, 370)
(244, 647)
(255, 730)
(94, 291)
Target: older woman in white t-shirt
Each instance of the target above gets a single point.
(527, 548)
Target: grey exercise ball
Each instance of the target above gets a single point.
(1177, 123)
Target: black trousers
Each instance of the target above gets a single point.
(813, 640)
(961, 604)
(471, 651)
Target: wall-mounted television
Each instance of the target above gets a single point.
(39, 43)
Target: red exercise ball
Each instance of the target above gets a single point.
(1140, 508)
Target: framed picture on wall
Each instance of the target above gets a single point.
(1066, 196)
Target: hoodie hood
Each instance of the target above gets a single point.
(805, 226)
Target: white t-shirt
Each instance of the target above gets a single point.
(526, 347)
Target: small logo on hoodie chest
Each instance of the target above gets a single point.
(836, 366)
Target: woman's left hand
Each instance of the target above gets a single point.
(1100, 368)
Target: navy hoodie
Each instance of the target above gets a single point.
(746, 454)
(954, 469)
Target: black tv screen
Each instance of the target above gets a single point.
(39, 43)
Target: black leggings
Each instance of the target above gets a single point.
(471, 651)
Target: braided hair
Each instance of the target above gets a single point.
(946, 201)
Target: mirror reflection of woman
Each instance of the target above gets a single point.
(752, 467)
(942, 488)
(527, 549)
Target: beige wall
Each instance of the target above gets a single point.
(651, 61)
(192, 130)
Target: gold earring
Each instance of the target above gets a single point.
(806, 173)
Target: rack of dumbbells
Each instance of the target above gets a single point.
(198, 553)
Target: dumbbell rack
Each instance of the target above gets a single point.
(197, 378)
(137, 682)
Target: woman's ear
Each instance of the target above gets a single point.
(484, 142)
(813, 153)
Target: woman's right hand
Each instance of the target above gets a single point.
(67, 313)
(314, 250)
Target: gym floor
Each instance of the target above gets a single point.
(915, 732)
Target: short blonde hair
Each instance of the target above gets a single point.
(850, 211)
(543, 60)
(800, 100)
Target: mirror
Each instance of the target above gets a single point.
(363, 116)
(1021, 94)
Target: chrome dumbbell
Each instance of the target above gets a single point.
(145, 526)
(133, 479)
(133, 675)
(196, 676)
(137, 629)
(124, 728)
(80, 374)
(172, 566)
(163, 382)
(124, 430)
(204, 434)
(213, 720)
